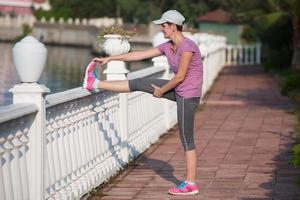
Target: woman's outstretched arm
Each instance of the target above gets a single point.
(132, 56)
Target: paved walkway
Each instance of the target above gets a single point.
(244, 137)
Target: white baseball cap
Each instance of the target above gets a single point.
(172, 16)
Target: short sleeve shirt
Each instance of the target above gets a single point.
(191, 86)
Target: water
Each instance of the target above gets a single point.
(64, 69)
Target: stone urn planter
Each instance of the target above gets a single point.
(29, 56)
(115, 44)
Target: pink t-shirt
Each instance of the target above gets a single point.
(191, 86)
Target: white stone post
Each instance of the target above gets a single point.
(29, 57)
(34, 93)
(116, 70)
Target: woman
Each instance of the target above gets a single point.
(185, 87)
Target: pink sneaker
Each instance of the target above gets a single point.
(184, 189)
(90, 77)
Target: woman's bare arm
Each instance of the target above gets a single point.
(132, 56)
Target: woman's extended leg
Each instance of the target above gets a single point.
(91, 83)
(140, 84)
(115, 86)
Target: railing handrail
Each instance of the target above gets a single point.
(14, 111)
(65, 96)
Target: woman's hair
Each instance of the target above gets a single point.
(179, 27)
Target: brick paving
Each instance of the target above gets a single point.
(244, 136)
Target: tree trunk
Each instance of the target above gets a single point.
(296, 42)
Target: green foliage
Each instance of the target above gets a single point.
(296, 156)
(290, 85)
(277, 58)
(26, 31)
(249, 34)
(132, 11)
(116, 29)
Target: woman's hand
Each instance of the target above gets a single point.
(102, 61)
(157, 91)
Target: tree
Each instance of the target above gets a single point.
(265, 15)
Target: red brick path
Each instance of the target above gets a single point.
(244, 137)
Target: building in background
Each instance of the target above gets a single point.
(223, 23)
(22, 7)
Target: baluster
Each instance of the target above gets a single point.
(98, 133)
(93, 131)
(67, 150)
(235, 53)
(246, 54)
(70, 21)
(107, 132)
(15, 166)
(2, 181)
(6, 168)
(74, 154)
(62, 154)
(102, 134)
(23, 166)
(229, 55)
(82, 144)
(90, 142)
(73, 149)
(51, 162)
(258, 45)
(113, 133)
(85, 138)
(52, 20)
(252, 54)
(240, 54)
(117, 123)
(57, 163)
(76, 157)
(84, 135)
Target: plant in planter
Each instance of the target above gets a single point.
(115, 40)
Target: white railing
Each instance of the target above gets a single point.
(243, 54)
(63, 145)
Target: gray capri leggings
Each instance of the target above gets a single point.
(186, 108)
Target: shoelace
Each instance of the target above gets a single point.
(181, 185)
